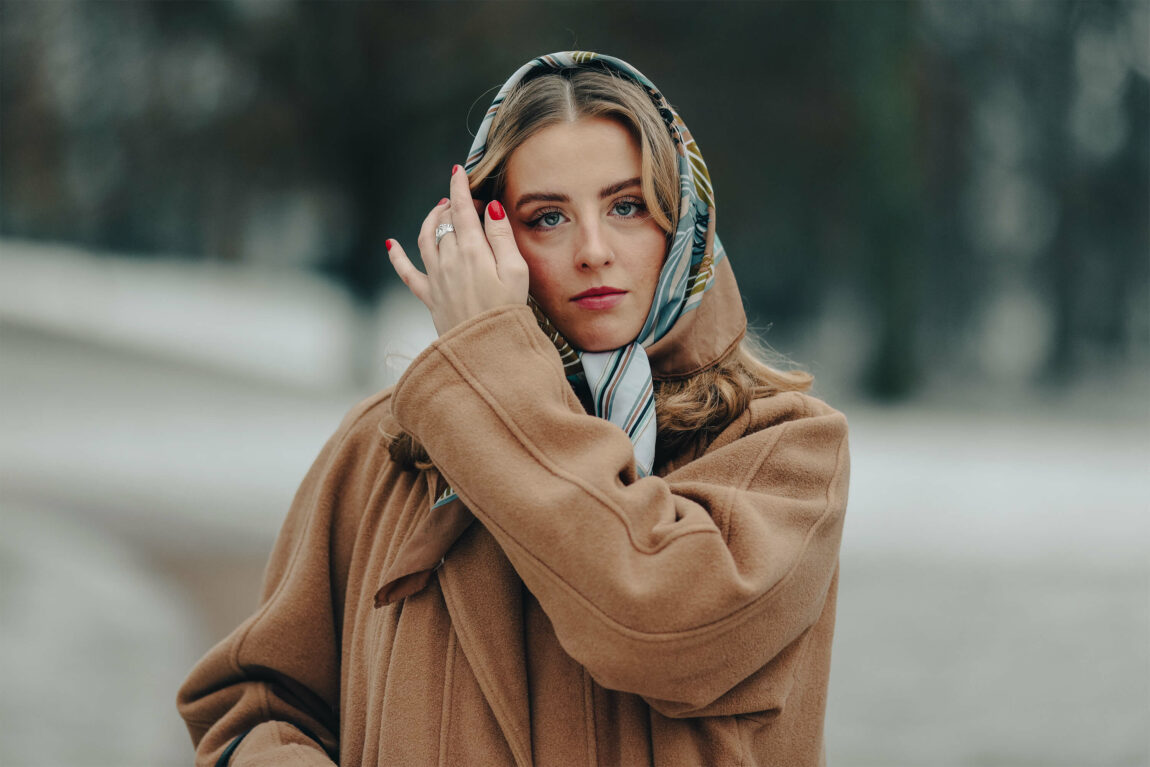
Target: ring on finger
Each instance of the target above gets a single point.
(441, 230)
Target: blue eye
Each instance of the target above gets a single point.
(550, 215)
(635, 208)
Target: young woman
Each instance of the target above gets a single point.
(588, 526)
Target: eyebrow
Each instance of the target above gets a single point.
(606, 191)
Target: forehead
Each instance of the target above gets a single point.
(591, 150)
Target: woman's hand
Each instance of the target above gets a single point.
(475, 268)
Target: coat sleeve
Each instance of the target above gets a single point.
(682, 588)
(268, 693)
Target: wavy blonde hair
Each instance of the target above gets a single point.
(691, 411)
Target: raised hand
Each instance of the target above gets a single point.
(475, 268)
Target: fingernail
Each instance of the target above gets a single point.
(495, 210)
(453, 169)
(387, 244)
(444, 199)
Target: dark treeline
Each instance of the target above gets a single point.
(952, 187)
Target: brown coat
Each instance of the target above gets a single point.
(592, 618)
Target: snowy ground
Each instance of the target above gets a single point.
(994, 603)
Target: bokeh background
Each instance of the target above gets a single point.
(940, 208)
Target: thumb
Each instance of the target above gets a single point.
(509, 263)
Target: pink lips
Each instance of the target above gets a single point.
(600, 298)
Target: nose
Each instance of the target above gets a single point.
(594, 251)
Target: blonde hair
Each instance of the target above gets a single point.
(690, 411)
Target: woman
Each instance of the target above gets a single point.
(587, 525)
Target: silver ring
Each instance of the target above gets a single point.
(441, 230)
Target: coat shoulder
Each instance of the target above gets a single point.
(357, 456)
(365, 433)
(777, 409)
(370, 418)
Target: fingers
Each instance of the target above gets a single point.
(509, 263)
(464, 213)
(415, 280)
(427, 245)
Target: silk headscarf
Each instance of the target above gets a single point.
(619, 381)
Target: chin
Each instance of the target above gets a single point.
(600, 342)
(601, 333)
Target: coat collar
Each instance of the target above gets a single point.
(704, 335)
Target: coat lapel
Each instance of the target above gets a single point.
(484, 597)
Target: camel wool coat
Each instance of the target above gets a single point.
(588, 617)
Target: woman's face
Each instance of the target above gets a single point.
(576, 207)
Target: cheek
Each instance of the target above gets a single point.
(541, 278)
(653, 265)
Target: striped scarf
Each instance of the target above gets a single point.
(619, 381)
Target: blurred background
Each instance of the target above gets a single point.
(939, 208)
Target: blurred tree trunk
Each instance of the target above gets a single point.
(884, 92)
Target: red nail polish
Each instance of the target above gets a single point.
(453, 169)
(443, 201)
(496, 210)
(387, 244)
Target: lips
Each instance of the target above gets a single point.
(600, 298)
(604, 290)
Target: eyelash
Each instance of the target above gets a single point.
(637, 203)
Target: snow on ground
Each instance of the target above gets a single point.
(1005, 486)
(994, 603)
